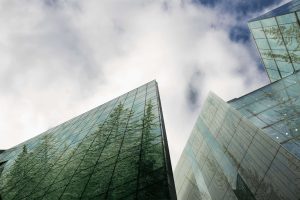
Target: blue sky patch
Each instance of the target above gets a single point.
(239, 34)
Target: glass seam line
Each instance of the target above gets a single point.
(271, 50)
(115, 164)
(167, 159)
(141, 148)
(285, 45)
(78, 146)
(64, 128)
(261, 58)
(65, 187)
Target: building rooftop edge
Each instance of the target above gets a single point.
(38, 135)
(280, 10)
(236, 98)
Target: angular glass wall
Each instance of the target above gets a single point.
(228, 157)
(115, 151)
(275, 109)
(277, 37)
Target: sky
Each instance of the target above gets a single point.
(60, 58)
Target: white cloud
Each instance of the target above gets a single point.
(61, 60)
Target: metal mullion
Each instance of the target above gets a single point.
(39, 168)
(246, 152)
(289, 139)
(85, 153)
(268, 168)
(285, 44)
(57, 160)
(60, 156)
(297, 18)
(98, 159)
(263, 29)
(68, 123)
(109, 184)
(141, 149)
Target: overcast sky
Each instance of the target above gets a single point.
(60, 58)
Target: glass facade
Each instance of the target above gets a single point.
(275, 109)
(249, 147)
(229, 157)
(115, 151)
(277, 37)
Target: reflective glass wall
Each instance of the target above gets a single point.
(275, 109)
(228, 157)
(115, 151)
(277, 37)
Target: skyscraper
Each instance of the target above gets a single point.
(277, 37)
(249, 147)
(275, 109)
(118, 150)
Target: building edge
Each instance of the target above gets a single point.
(168, 165)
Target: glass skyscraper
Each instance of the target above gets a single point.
(228, 156)
(275, 109)
(249, 148)
(118, 150)
(277, 37)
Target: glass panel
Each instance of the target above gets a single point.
(258, 33)
(262, 44)
(285, 19)
(270, 64)
(276, 43)
(285, 68)
(269, 22)
(255, 24)
(97, 155)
